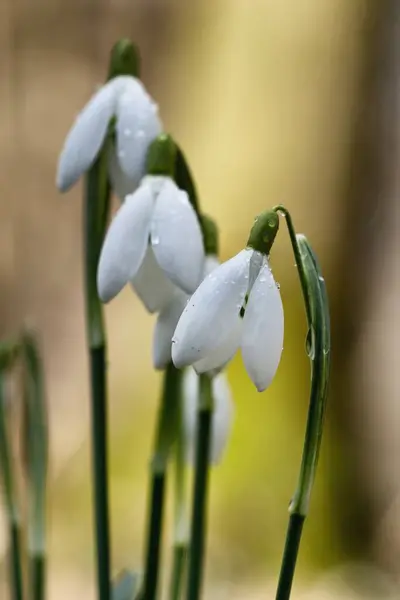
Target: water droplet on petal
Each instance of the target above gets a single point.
(127, 133)
(321, 278)
(155, 241)
(278, 285)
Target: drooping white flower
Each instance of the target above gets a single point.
(136, 125)
(212, 327)
(221, 419)
(168, 318)
(158, 213)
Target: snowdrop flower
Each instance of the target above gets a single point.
(237, 305)
(137, 124)
(159, 213)
(168, 318)
(221, 418)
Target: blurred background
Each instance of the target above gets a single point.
(273, 102)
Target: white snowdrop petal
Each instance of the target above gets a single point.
(125, 244)
(222, 417)
(121, 184)
(220, 356)
(164, 329)
(86, 136)
(176, 237)
(137, 126)
(151, 284)
(211, 262)
(221, 420)
(212, 312)
(263, 328)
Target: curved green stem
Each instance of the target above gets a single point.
(165, 437)
(297, 255)
(13, 516)
(199, 512)
(316, 301)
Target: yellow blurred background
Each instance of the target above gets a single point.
(273, 101)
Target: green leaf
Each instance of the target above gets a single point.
(127, 585)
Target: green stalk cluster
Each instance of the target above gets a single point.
(24, 353)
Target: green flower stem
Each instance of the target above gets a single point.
(165, 437)
(36, 460)
(16, 577)
(96, 207)
(181, 533)
(318, 348)
(37, 576)
(13, 516)
(199, 512)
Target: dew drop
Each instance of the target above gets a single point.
(278, 285)
(155, 241)
(310, 343)
(127, 133)
(321, 278)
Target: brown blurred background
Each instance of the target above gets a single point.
(273, 102)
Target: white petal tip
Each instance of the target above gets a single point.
(159, 366)
(178, 357)
(64, 181)
(105, 297)
(260, 387)
(260, 383)
(105, 291)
